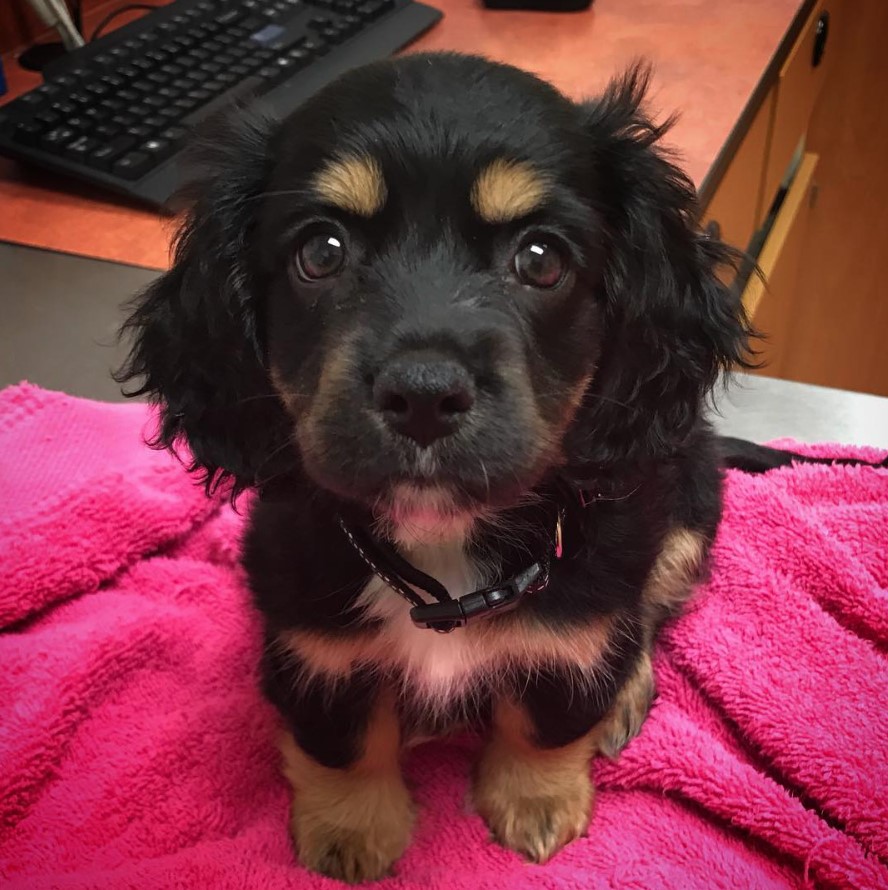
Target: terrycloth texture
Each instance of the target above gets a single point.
(136, 752)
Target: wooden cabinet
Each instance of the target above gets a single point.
(804, 193)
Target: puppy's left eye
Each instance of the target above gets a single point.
(540, 264)
(320, 255)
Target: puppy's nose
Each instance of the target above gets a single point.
(424, 397)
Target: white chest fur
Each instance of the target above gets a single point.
(436, 666)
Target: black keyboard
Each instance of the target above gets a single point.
(118, 111)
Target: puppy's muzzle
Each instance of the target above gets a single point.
(424, 395)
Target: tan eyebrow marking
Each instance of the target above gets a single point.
(507, 190)
(353, 183)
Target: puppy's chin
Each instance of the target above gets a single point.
(415, 516)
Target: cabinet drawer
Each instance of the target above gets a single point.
(736, 204)
(771, 303)
(798, 86)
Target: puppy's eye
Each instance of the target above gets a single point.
(540, 264)
(320, 255)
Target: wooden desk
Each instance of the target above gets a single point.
(709, 59)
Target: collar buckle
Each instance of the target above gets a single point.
(498, 598)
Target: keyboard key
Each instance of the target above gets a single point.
(157, 77)
(107, 131)
(373, 9)
(105, 155)
(128, 71)
(185, 104)
(140, 131)
(168, 92)
(128, 95)
(156, 148)
(155, 121)
(28, 133)
(112, 81)
(316, 46)
(174, 134)
(81, 148)
(154, 101)
(199, 96)
(133, 165)
(32, 99)
(48, 118)
(112, 105)
(173, 70)
(123, 120)
(57, 139)
(79, 123)
(47, 90)
(229, 17)
(332, 35)
(64, 107)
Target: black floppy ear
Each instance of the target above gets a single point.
(196, 347)
(671, 325)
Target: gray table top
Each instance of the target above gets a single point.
(60, 315)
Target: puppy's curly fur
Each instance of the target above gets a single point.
(443, 218)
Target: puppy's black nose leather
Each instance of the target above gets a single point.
(424, 397)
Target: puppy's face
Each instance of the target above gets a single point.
(431, 264)
(435, 281)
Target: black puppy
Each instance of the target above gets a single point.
(456, 330)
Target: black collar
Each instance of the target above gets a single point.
(446, 613)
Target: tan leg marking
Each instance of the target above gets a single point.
(675, 571)
(533, 800)
(352, 824)
(627, 714)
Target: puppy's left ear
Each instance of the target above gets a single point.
(671, 324)
(197, 348)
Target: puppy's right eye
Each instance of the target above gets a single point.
(320, 255)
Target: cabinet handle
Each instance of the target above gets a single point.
(820, 36)
(713, 230)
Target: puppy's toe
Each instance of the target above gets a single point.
(538, 827)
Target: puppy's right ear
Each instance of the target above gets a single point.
(197, 348)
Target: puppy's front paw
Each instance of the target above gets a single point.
(351, 841)
(628, 713)
(536, 827)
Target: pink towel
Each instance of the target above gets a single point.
(136, 751)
